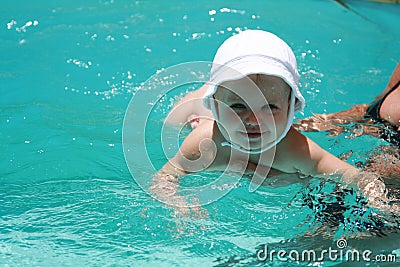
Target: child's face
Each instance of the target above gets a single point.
(253, 111)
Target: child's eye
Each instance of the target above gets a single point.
(271, 108)
(238, 107)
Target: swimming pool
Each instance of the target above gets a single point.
(68, 72)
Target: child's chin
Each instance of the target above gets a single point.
(251, 145)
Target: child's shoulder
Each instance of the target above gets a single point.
(293, 151)
(295, 141)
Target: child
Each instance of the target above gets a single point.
(253, 95)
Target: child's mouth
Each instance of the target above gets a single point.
(253, 134)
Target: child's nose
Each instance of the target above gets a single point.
(252, 119)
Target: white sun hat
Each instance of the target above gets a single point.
(255, 52)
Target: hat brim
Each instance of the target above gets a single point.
(255, 64)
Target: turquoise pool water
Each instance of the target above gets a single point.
(68, 71)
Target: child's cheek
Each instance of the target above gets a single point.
(229, 117)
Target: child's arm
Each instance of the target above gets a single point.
(321, 162)
(195, 154)
(165, 188)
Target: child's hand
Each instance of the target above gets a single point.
(165, 189)
(375, 190)
(184, 215)
(372, 187)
